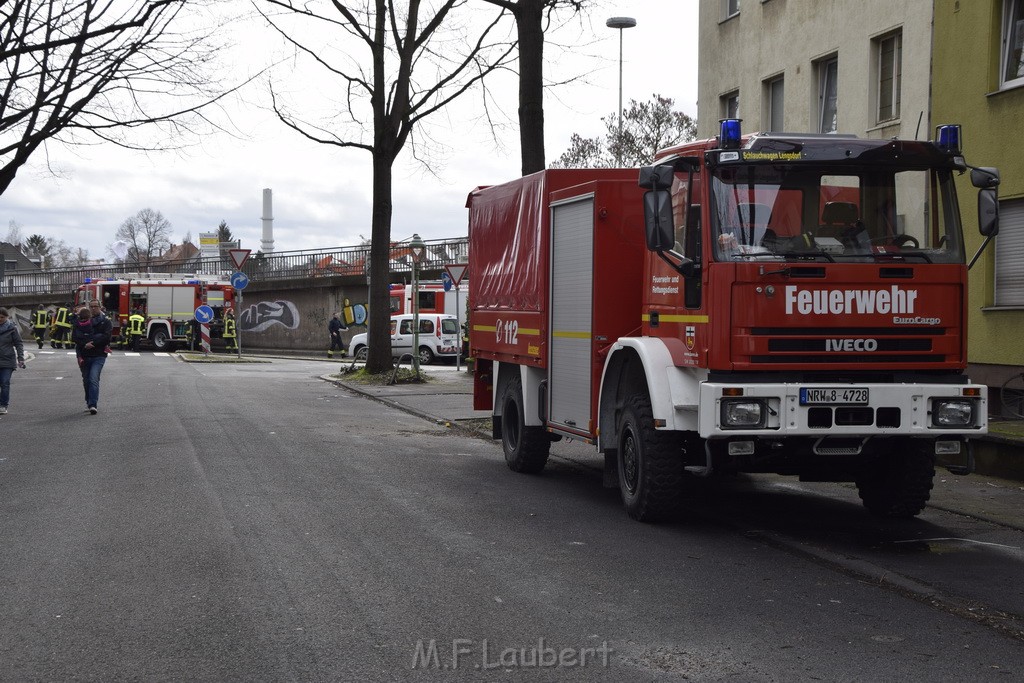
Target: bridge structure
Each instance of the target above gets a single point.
(348, 262)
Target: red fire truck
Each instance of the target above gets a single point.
(168, 301)
(433, 298)
(778, 303)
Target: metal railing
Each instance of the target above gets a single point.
(336, 261)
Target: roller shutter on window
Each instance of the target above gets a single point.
(1010, 254)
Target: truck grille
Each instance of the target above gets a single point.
(836, 345)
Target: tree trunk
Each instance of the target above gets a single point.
(379, 338)
(529, 21)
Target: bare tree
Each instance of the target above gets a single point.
(646, 128)
(74, 69)
(13, 233)
(532, 20)
(147, 235)
(419, 58)
(63, 256)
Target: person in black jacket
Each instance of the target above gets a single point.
(92, 335)
(335, 326)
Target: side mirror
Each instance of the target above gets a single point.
(985, 178)
(658, 220)
(656, 177)
(988, 212)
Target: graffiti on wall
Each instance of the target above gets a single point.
(266, 314)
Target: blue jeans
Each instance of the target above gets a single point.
(91, 369)
(5, 385)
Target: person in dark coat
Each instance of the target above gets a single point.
(12, 355)
(91, 335)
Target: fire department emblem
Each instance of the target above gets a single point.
(691, 337)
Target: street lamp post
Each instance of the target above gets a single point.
(417, 247)
(620, 23)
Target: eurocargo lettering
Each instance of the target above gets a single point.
(771, 303)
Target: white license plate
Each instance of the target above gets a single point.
(833, 396)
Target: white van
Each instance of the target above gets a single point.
(439, 337)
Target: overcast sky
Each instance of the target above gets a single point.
(322, 193)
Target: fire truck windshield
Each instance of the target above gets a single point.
(843, 213)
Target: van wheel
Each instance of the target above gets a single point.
(426, 356)
(526, 448)
(360, 353)
(899, 483)
(650, 464)
(160, 339)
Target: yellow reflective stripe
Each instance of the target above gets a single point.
(525, 331)
(565, 334)
(677, 318)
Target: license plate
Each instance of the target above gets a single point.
(817, 396)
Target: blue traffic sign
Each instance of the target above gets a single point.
(446, 281)
(239, 280)
(204, 314)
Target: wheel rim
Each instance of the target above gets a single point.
(425, 357)
(630, 461)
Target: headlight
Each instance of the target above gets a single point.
(953, 413)
(742, 413)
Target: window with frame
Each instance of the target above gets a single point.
(828, 95)
(730, 8)
(1009, 271)
(730, 105)
(1012, 59)
(774, 95)
(890, 71)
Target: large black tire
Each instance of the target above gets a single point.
(899, 483)
(160, 339)
(650, 464)
(526, 448)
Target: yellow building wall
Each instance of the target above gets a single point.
(965, 90)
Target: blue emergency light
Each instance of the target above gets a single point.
(947, 137)
(730, 133)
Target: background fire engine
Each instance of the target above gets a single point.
(167, 301)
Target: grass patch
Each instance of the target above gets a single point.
(401, 376)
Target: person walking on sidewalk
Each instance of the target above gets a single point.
(92, 338)
(335, 327)
(12, 355)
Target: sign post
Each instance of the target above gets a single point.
(455, 272)
(239, 281)
(204, 314)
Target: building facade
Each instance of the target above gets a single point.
(978, 80)
(816, 66)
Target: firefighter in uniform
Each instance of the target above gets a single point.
(136, 326)
(60, 332)
(230, 332)
(40, 321)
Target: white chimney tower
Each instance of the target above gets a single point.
(267, 243)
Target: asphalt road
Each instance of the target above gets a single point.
(255, 523)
